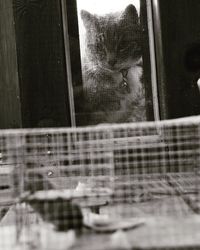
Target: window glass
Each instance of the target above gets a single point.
(113, 88)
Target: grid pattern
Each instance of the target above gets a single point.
(101, 187)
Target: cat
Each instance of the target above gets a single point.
(112, 46)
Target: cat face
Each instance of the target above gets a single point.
(113, 41)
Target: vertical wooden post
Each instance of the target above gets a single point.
(150, 83)
(10, 108)
(68, 62)
(161, 74)
(41, 63)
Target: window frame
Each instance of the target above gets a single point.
(153, 45)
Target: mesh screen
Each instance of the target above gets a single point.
(104, 187)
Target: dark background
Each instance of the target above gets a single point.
(41, 63)
(180, 25)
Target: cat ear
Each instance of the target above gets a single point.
(89, 20)
(130, 14)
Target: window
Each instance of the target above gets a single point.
(114, 86)
(55, 86)
(50, 78)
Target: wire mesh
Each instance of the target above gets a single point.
(125, 186)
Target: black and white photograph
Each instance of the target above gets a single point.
(99, 124)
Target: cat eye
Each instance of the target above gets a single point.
(124, 49)
(124, 45)
(133, 44)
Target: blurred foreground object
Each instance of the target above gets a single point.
(54, 206)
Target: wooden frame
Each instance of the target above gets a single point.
(36, 92)
(10, 105)
(154, 5)
(153, 112)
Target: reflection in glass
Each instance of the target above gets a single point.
(111, 58)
